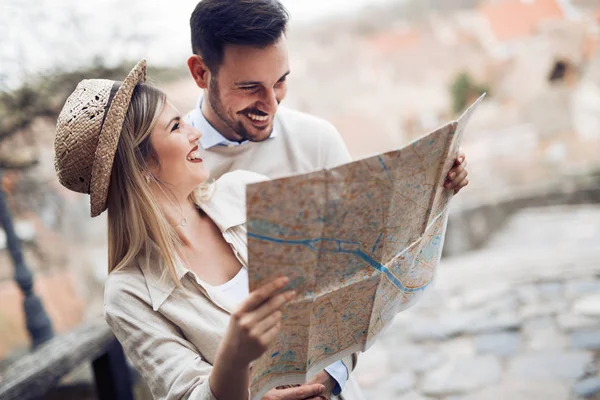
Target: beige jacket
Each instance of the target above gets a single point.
(172, 335)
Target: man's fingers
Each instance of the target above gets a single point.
(454, 172)
(308, 391)
(456, 176)
(261, 294)
(458, 181)
(462, 185)
(302, 392)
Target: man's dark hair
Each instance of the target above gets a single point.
(217, 23)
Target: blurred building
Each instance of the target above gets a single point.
(390, 84)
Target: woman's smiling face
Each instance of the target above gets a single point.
(175, 145)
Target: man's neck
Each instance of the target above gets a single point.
(216, 122)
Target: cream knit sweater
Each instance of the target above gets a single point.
(304, 143)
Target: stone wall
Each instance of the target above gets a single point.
(470, 226)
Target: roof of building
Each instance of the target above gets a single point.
(395, 41)
(515, 19)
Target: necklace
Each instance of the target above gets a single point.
(183, 221)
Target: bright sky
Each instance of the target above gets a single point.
(45, 34)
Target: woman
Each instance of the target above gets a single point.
(176, 244)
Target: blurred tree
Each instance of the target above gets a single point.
(19, 108)
(464, 91)
(35, 32)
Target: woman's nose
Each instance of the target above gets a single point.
(194, 134)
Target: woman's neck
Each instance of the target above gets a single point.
(178, 207)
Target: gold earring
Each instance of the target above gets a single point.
(148, 178)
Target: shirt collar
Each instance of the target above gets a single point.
(210, 136)
(160, 284)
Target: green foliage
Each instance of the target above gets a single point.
(464, 90)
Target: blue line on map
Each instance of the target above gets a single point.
(377, 242)
(311, 243)
(385, 168)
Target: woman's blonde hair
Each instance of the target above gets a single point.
(136, 223)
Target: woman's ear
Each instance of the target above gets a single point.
(199, 71)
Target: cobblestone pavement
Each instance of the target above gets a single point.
(518, 320)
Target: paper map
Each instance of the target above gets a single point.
(359, 242)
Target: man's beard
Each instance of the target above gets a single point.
(214, 98)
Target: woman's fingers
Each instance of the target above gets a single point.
(264, 317)
(270, 306)
(267, 323)
(262, 294)
(269, 336)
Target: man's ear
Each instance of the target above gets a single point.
(199, 71)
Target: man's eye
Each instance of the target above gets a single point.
(175, 126)
(248, 88)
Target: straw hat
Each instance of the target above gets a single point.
(87, 134)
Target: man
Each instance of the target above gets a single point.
(241, 62)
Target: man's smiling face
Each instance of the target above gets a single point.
(244, 93)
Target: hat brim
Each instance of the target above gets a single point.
(109, 138)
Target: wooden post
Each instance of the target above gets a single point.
(112, 375)
(37, 320)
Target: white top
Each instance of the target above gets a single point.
(233, 292)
